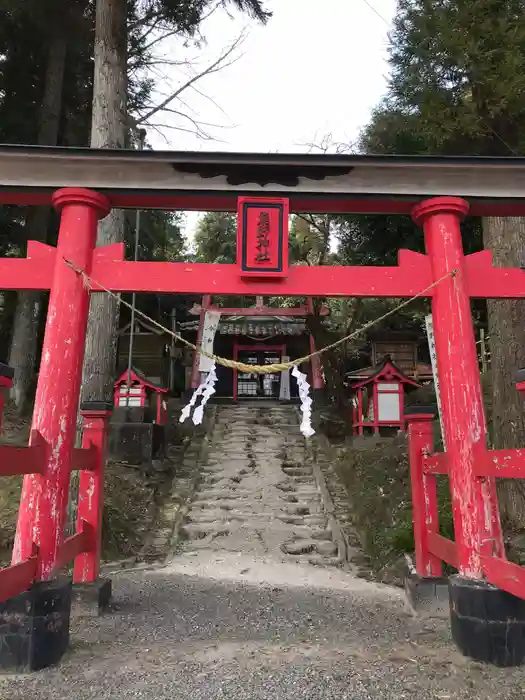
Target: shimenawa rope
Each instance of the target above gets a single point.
(241, 366)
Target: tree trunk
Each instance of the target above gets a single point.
(505, 237)
(108, 130)
(23, 352)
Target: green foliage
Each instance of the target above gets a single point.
(216, 238)
(377, 479)
(456, 87)
(459, 66)
(186, 15)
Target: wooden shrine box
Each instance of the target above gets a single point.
(379, 399)
(143, 394)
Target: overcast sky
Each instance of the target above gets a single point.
(318, 67)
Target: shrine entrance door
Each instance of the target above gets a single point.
(257, 386)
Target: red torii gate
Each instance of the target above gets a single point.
(303, 183)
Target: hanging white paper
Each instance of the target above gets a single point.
(211, 323)
(205, 389)
(306, 403)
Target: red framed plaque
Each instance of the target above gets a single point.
(262, 237)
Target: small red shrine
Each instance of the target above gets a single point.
(379, 399)
(135, 390)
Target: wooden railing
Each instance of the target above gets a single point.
(82, 548)
(431, 548)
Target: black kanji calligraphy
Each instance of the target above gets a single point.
(263, 238)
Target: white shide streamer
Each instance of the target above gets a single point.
(205, 389)
(306, 402)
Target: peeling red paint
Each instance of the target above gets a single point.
(463, 412)
(424, 493)
(44, 498)
(91, 495)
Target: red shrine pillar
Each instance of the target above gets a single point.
(44, 498)
(474, 501)
(96, 417)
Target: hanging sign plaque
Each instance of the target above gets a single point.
(262, 237)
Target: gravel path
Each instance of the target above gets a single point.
(272, 631)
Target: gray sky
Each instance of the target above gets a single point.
(317, 68)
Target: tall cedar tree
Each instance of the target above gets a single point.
(458, 88)
(46, 98)
(110, 129)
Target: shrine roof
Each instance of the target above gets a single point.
(208, 181)
(258, 326)
(361, 377)
(137, 375)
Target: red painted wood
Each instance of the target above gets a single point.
(84, 458)
(91, 496)
(375, 422)
(2, 403)
(505, 464)
(476, 516)
(436, 463)
(123, 379)
(424, 494)
(443, 548)
(484, 281)
(203, 201)
(36, 272)
(195, 374)
(17, 579)
(505, 575)
(17, 459)
(44, 498)
(262, 237)
(405, 280)
(72, 547)
(23, 274)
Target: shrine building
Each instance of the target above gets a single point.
(257, 335)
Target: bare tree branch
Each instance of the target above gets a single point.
(225, 60)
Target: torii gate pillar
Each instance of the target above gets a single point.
(474, 503)
(43, 503)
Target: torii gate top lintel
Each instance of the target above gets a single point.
(212, 181)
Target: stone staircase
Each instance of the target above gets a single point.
(258, 494)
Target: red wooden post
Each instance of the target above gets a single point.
(474, 504)
(44, 498)
(375, 399)
(360, 411)
(195, 374)
(6, 382)
(96, 416)
(424, 490)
